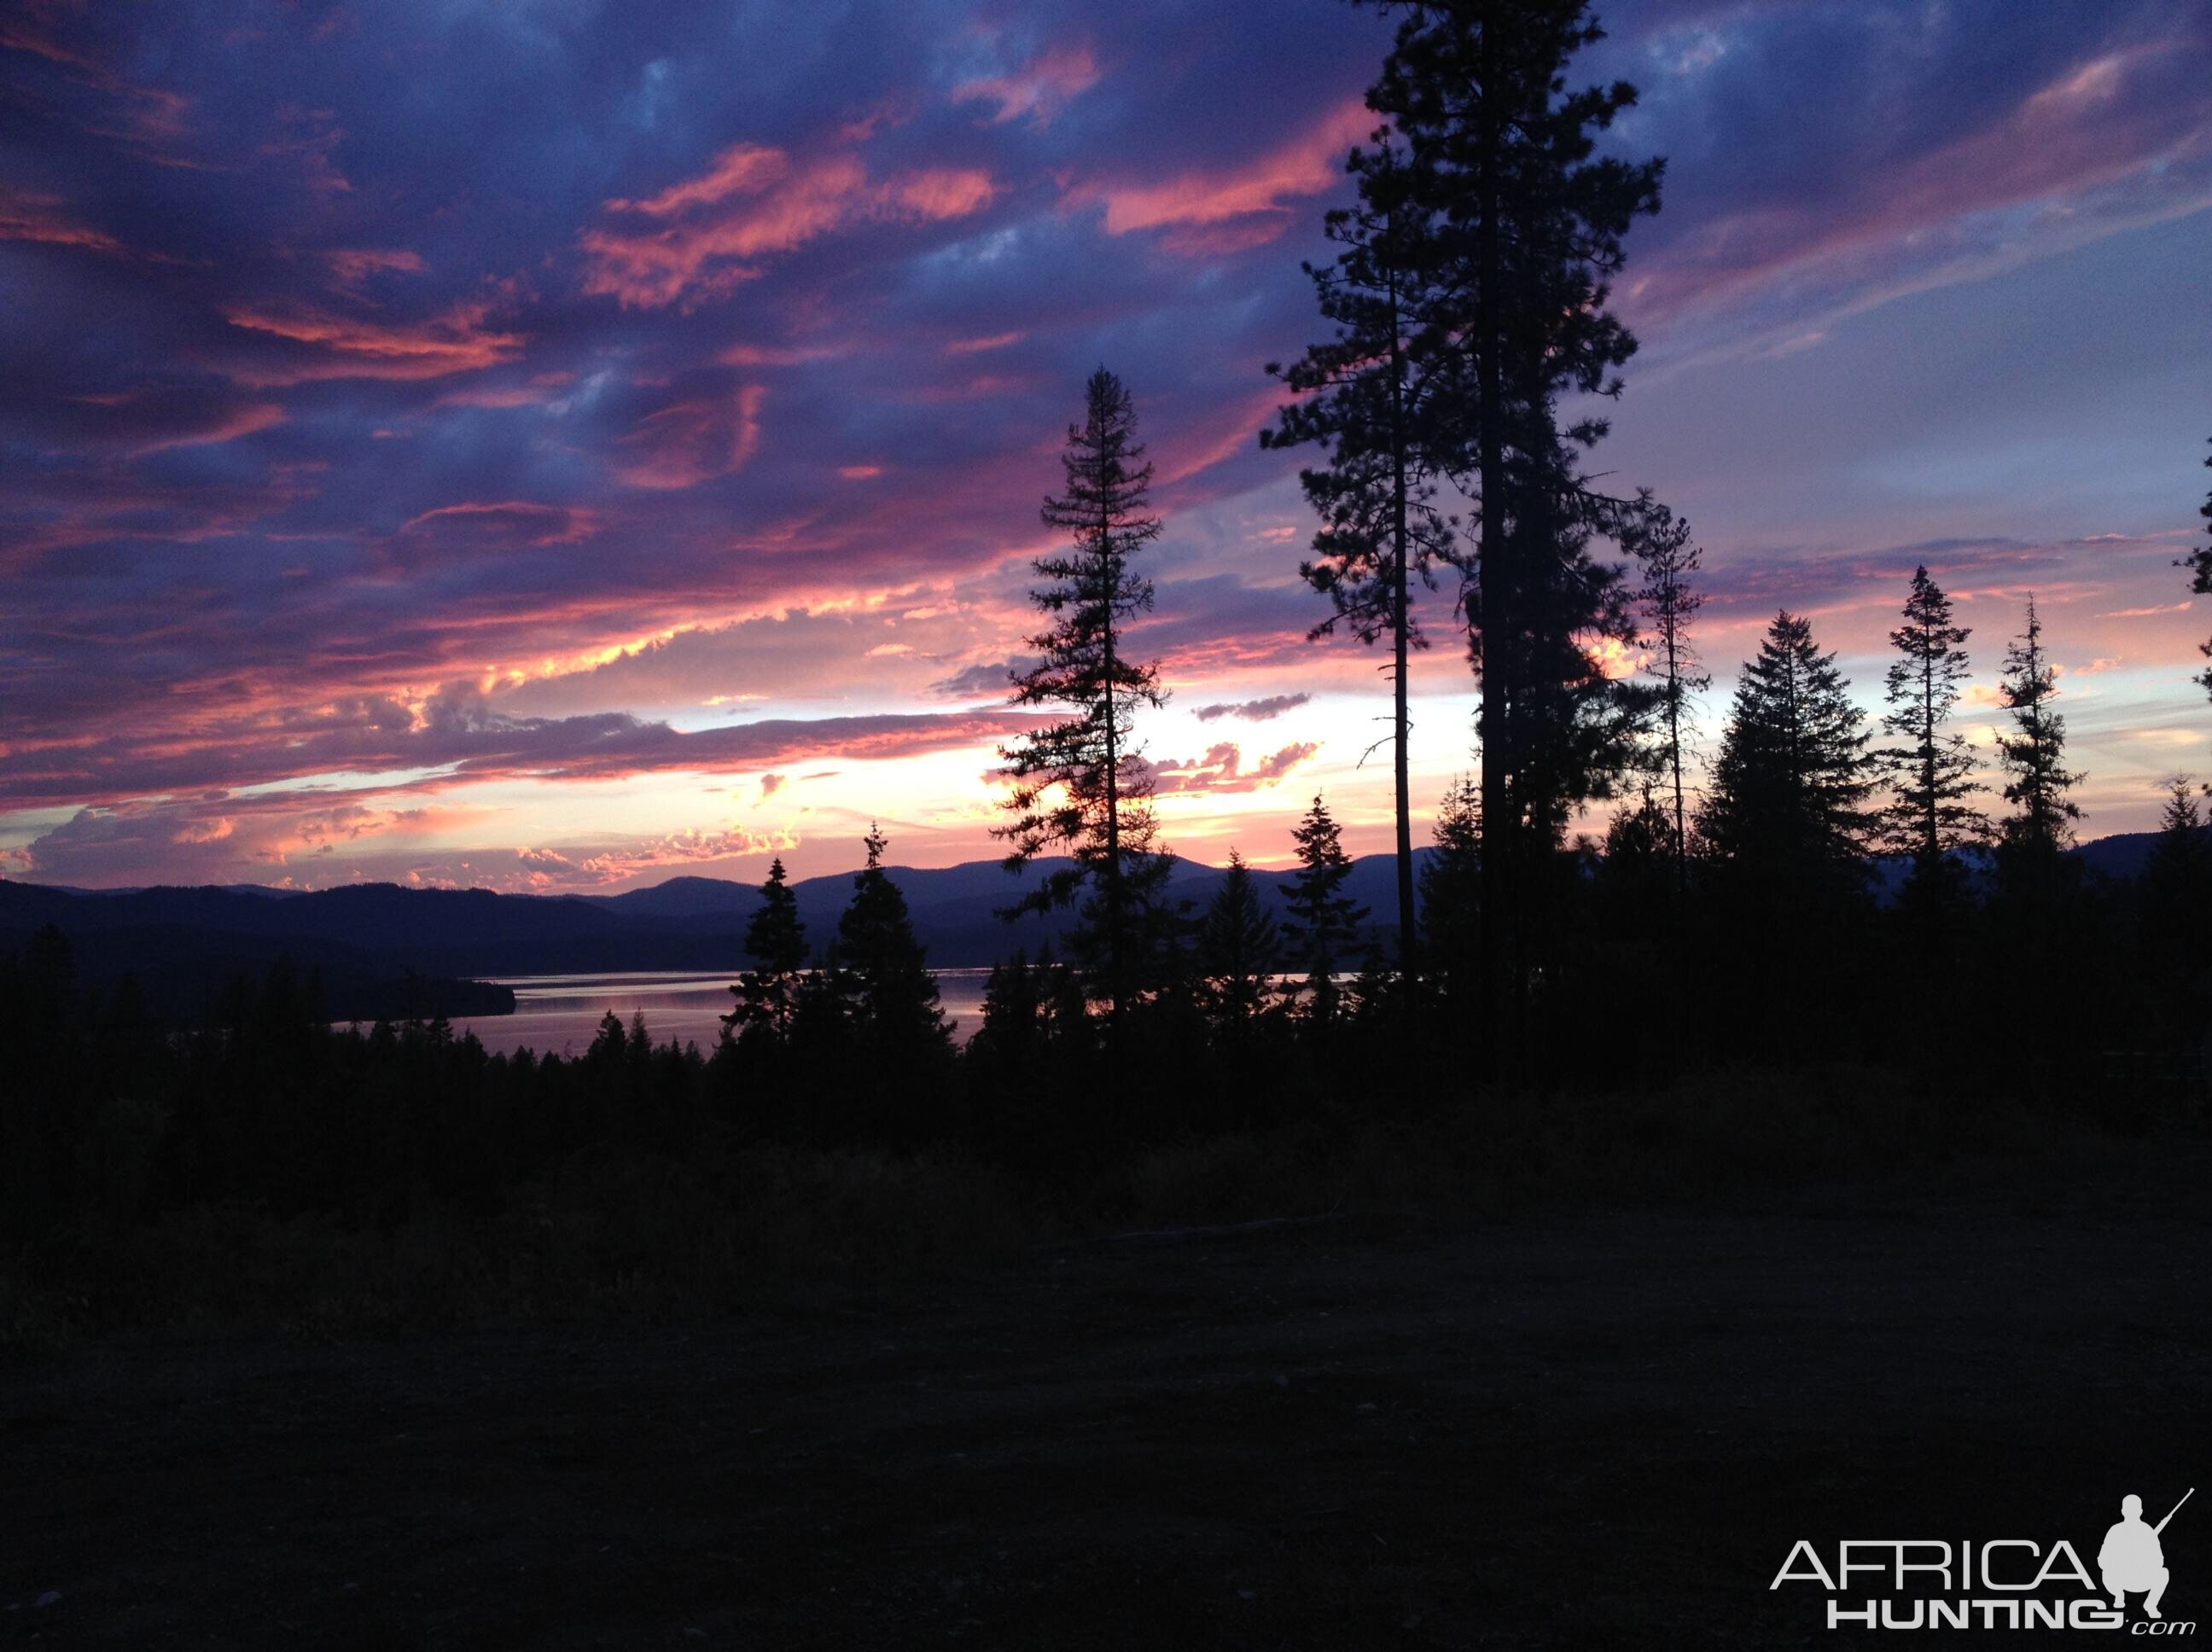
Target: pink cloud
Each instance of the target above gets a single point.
(1039, 90)
(996, 341)
(243, 421)
(509, 522)
(25, 216)
(1222, 770)
(344, 347)
(1227, 210)
(350, 266)
(2145, 613)
(751, 202)
(696, 441)
(2107, 126)
(688, 847)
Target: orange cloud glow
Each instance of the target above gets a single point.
(347, 348)
(752, 202)
(1242, 206)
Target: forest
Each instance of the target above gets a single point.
(1830, 936)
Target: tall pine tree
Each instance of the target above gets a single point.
(1323, 923)
(1451, 894)
(1238, 944)
(884, 967)
(2033, 758)
(1668, 601)
(1364, 400)
(1080, 785)
(1933, 770)
(1785, 811)
(1523, 226)
(768, 994)
(2199, 560)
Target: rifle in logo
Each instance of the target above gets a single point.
(2132, 1559)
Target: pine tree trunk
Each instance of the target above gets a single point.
(1408, 961)
(1495, 928)
(1114, 945)
(1674, 756)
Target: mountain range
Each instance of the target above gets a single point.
(381, 948)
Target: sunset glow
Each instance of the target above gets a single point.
(558, 448)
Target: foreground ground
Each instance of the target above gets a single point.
(1583, 1429)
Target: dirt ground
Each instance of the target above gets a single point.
(1582, 1429)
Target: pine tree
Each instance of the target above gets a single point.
(1238, 944)
(2177, 890)
(1451, 893)
(1522, 229)
(1637, 874)
(885, 970)
(1669, 601)
(767, 995)
(2041, 825)
(1365, 401)
(2199, 560)
(1323, 923)
(1785, 811)
(1081, 784)
(1015, 1015)
(1934, 770)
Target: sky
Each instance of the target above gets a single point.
(554, 445)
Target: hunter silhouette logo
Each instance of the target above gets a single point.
(2000, 1582)
(2132, 1559)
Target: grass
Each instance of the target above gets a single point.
(656, 1239)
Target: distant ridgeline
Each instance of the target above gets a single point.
(382, 951)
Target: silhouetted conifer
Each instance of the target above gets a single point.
(1016, 1011)
(2199, 561)
(768, 996)
(1934, 770)
(885, 973)
(1080, 785)
(1238, 947)
(2033, 758)
(1365, 400)
(2177, 886)
(1322, 925)
(1522, 228)
(1785, 811)
(1451, 894)
(1636, 875)
(1668, 602)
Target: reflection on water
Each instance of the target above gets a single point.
(559, 1015)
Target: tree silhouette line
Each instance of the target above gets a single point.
(1742, 920)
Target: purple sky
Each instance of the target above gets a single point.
(561, 445)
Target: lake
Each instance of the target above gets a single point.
(559, 1015)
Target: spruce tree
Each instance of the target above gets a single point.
(2199, 560)
(1451, 893)
(1668, 601)
(2177, 894)
(1522, 228)
(1635, 876)
(767, 995)
(884, 968)
(1080, 785)
(1323, 923)
(1238, 945)
(1015, 1012)
(2033, 756)
(1933, 771)
(1786, 811)
(1365, 401)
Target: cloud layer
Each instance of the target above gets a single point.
(656, 400)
